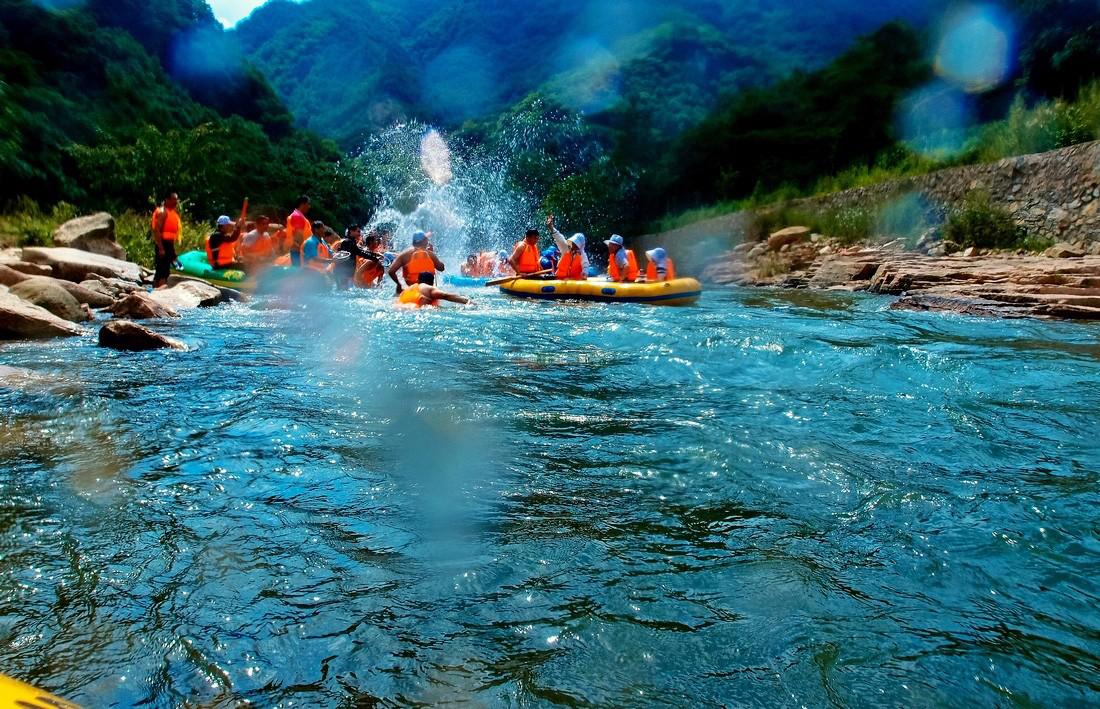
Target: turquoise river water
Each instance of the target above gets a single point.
(770, 499)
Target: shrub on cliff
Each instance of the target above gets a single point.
(981, 223)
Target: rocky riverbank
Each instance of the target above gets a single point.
(69, 291)
(1063, 283)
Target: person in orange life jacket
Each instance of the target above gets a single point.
(423, 293)
(560, 241)
(418, 258)
(315, 253)
(571, 266)
(345, 270)
(369, 273)
(221, 246)
(167, 230)
(622, 265)
(298, 229)
(257, 245)
(660, 266)
(471, 268)
(526, 258)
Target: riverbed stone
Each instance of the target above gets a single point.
(20, 319)
(141, 306)
(48, 293)
(76, 265)
(30, 269)
(94, 234)
(9, 276)
(130, 337)
(189, 294)
(1063, 250)
(790, 235)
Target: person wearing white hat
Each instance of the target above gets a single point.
(571, 265)
(660, 266)
(563, 244)
(221, 246)
(622, 265)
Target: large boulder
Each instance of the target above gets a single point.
(95, 234)
(30, 269)
(75, 265)
(790, 235)
(9, 276)
(1064, 250)
(840, 271)
(48, 293)
(189, 294)
(131, 337)
(140, 306)
(20, 319)
(85, 296)
(114, 287)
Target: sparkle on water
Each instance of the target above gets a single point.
(771, 499)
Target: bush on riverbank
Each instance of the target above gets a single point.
(27, 224)
(984, 225)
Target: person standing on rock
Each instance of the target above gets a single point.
(167, 229)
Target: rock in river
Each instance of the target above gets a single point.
(790, 235)
(94, 234)
(19, 319)
(49, 294)
(131, 337)
(141, 306)
(75, 265)
(189, 294)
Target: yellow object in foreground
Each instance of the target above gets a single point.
(681, 291)
(15, 694)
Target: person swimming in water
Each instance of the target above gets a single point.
(424, 294)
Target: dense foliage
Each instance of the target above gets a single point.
(89, 116)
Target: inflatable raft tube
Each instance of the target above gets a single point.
(194, 264)
(681, 291)
(459, 281)
(14, 693)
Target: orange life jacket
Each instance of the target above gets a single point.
(413, 297)
(262, 249)
(651, 271)
(631, 268)
(172, 224)
(368, 273)
(225, 257)
(530, 260)
(570, 268)
(298, 222)
(323, 252)
(486, 264)
(419, 262)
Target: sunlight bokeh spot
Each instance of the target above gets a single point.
(934, 120)
(975, 48)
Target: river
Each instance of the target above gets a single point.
(770, 499)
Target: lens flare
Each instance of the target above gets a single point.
(975, 49)
(935, 119)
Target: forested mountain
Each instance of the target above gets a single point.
(349, 67)
(109, 103)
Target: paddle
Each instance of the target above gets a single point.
(502, 281)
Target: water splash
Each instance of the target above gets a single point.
(473, 196)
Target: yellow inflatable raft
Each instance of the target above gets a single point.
(681, 291)
(14, 693)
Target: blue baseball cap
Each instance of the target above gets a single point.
(419, 237)
(224, 220)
